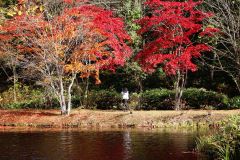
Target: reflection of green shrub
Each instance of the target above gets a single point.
(225, 143)
(235, 102)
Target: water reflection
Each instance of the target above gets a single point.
(98, 145)
(127, 145)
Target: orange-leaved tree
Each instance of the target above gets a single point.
(9, 55)
(77, 41)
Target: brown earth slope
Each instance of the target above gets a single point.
(112, 119)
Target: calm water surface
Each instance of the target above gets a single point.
(98, 145)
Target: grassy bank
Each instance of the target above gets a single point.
(113, 119)
(223, 144)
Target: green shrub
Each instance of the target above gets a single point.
(106, 99)
(25, 96)
(33, 104)
(134, 101)
(16, 105)
(200, 98)
(235, 102)
(40, 104)
(192, 98)
(156, 99)
(28, 97)
(76, 101)
(35, 99)
(110, 99)
(160, 99)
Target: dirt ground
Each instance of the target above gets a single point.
(112, 119)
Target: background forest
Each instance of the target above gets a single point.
(214, 83)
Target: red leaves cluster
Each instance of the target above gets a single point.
(209, 31)
(172, 26)
(83, 32)
(72, 1)
(21, 1)
(112, 50)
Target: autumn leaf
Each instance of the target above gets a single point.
(171, 26)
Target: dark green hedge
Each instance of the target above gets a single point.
(235, 102)
(156, 99)
(34, 104)
(199, 98)
(192, 98)
(106, 99)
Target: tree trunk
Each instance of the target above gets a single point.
(79, 92)
(69, 106)
(63, 105)
(212, 68)
(140, 98)
(70, 95)
(62, 98)
(177, 92)
(14, 85)
(85, 97)
(237, 82)
(179, 86)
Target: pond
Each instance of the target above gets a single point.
(98, 145)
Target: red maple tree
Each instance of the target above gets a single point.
(173, 28)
